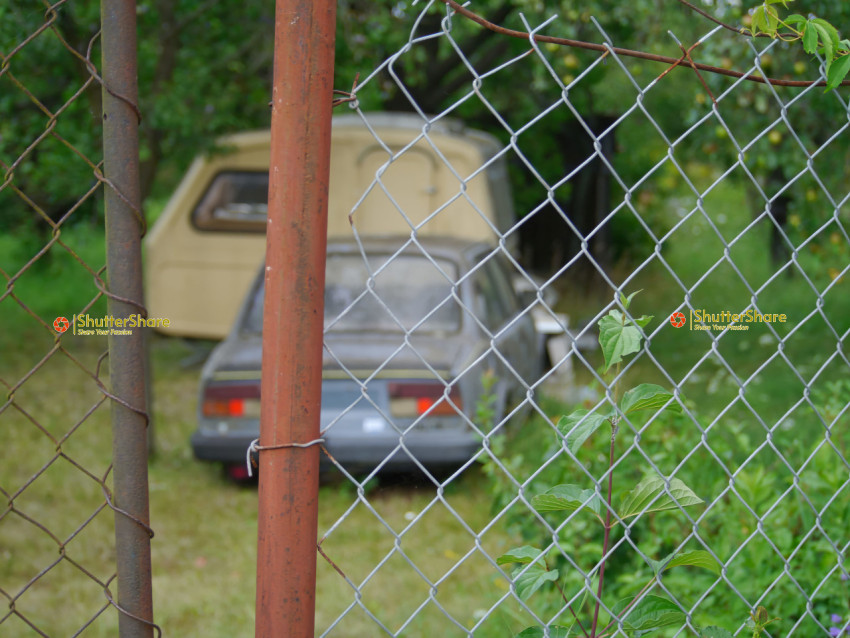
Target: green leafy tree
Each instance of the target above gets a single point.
(781, 142)
(205, 69)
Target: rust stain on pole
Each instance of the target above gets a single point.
(126, 352)
(293, 317)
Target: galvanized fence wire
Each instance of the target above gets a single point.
(800, 597)
(58, 572)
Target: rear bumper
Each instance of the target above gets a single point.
(226, 448)
(432, 450)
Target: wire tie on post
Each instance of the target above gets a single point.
(256, 447)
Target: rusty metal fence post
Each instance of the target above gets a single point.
(292, 334)
(124, 229)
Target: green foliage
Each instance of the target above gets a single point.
(759, 619)
(639, 616)
(532, 573)
(550, 632)
(715, 632)
(619, 336)
(695, 558)
(833, 400)
(565, 498)
(485, 408)
(757, 487)
(204, 70)
(653, 494)
(711, 449)
(45, 154)
(589, 521)
(816, 35)
(580, 425)
(647, 396)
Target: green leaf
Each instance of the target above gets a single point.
(715, 632)
(567, 498)
(617, 338)
(651, 612)
(528, 579)
(555, 631)
(825, 39)
(531, 574)
(795, 18)
(647, 396)
(695, 558)
(831, 31)
(837, 72)
(626, 301)
(765, 20)
(588, 589)
(650, 496)
(759, 22)
(643, 320)
(772, 20)
(761, 616)
(810, 39)
(578, 426)
(524, 555)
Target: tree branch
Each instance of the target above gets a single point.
(437, 71)
(708, 16)
(592, 46)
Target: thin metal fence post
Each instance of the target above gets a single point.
(293, 325)
(124, 225)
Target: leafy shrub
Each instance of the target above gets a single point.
(766, 537)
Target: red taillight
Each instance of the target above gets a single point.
(235, 400)
(223, 407)
(238, 472)
(412, 399)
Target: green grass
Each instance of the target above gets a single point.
(204, 551)
(46, 282)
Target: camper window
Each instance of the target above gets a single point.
(234, 201)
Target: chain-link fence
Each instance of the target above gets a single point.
(621, 381)
(689, 470)
(64, 501)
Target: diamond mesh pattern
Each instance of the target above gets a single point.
(759, 438)
(57, 538)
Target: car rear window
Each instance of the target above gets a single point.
(234, 201)
(401, 294)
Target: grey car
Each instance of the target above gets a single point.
(418, 337)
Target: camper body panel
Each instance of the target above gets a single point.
(207, 244)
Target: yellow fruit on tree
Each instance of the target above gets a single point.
(571, 61)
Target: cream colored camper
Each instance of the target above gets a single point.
(389, 175)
